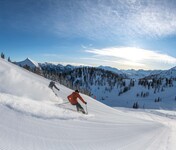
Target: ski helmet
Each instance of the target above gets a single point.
(77, 91)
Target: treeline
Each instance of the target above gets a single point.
(157, 84)
(83, 78)
(3, 57)
(36, 70)
(124, 87)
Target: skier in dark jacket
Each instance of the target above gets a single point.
(52, 84)
(73, 100)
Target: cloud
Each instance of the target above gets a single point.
(95, 19)
(131, 57)
(121, 18)
(86, 46)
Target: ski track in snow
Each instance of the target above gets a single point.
(31, 120)
(165, 140)
(111, 129)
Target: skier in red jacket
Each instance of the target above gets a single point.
(73, 100)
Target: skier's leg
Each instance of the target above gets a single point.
(56, 87)
(79, 108)
(53, 91)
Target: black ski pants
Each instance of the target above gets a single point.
(79, 108)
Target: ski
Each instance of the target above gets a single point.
(60, 105)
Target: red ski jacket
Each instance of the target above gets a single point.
(73, 98)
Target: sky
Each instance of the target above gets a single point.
(125, 34)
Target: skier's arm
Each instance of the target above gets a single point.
(81, 99)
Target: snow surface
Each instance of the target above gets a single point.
(127, 99)
(32, 119)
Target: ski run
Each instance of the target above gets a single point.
(32, 119)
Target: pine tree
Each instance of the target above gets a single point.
(2, 55)
(136, 105)
(27, 67)
(9, 60)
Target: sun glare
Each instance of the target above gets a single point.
(128, 53)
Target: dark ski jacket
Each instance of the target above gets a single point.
(52, 84)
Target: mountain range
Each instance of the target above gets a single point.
(131, 73)
(115, 87)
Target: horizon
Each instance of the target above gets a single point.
(129, 34)
(83, 65)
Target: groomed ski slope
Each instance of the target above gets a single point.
(30, 119)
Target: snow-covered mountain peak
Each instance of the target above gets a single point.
(174, 68)
(111, 69)
(29, 62)
(131, 73)
(114, 70)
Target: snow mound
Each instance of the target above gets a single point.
(44, 110)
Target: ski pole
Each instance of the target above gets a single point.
(63, 103)
(86, 109)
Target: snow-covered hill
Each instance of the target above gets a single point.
(146, 98)
(31, 119)
(171, 73)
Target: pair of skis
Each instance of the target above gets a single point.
(62, 104)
